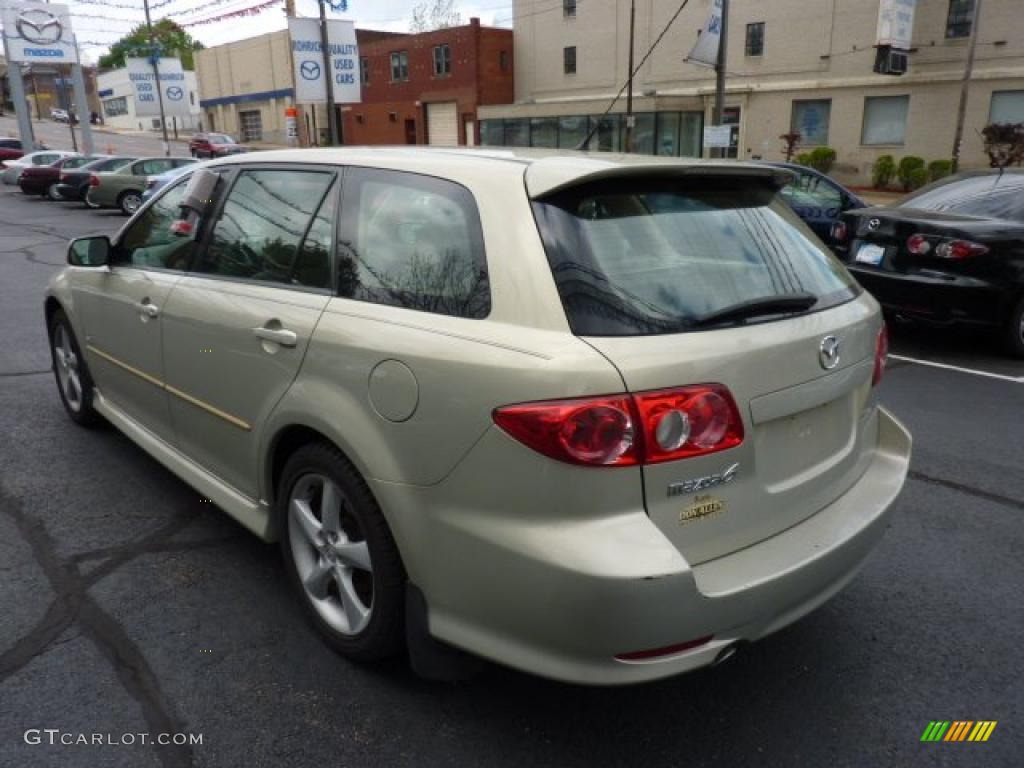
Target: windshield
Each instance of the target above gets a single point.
(646, 256)
(999, 196)
(220, 138)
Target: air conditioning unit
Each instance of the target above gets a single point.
(889, 61)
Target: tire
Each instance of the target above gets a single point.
(74, 384)
(51, 193)
(354, 595)
(89, 203)
(129, 201)
(1013, 334)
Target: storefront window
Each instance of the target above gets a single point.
(544, 132)
(691, 130)
(492, 133)
(572, 131)
(810, 120)
(668, 134)
(643, 133)
(517, 132)
(608, 137)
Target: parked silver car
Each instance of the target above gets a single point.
(599, 418)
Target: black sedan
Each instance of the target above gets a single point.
(75, 183)
(819, 200)
(950, 253)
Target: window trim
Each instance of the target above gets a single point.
(345, 235)
(747, 40)
(962, 24)
(446, 59)
(864, 120)
(234, 172)
(402, 58)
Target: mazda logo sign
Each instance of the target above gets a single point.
(174, 93)
(309, 70)
(828, 353)
(39, 27)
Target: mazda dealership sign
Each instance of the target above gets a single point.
(38, 32)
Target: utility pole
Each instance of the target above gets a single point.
(332, 114)
(65, 92)
(961, 112)
(630, 119)
(723, 40)
(154, 58)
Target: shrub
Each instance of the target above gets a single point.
(822, 159)
(906, 168)
(804, 158)
(939, 169)
(882, 171)
(918, 177)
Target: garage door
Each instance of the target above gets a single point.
(443, 124)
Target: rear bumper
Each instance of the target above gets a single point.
(945, 299)
(71, 191)
(561, 597)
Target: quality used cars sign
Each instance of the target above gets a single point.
(37, 32)
(144, 87)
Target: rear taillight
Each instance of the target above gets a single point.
(881, 354)
(839, 231)
(94, 180)
(625, 430)
(944, 247)
(959, 249)
(918, 245)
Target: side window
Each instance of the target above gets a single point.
(809, 189)
(262, 224)
(149, 242)
(413, 241)
(313, 264)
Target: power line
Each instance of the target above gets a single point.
(590, 135)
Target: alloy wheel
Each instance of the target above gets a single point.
(67, 368)
(130, 202)
(331, 554)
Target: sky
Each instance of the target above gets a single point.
(98, 23)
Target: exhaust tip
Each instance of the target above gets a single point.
(725, 654)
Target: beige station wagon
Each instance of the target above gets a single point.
(600, 418)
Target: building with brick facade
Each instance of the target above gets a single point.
(426, 88)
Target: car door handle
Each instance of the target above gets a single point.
(149, 308)
(280, 336)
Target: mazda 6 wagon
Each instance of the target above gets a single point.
(599, 418)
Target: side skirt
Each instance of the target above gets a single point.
(252, 514)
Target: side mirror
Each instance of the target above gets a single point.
(89, 251)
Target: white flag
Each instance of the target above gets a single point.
(705, 52)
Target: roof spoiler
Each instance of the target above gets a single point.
(544, 178)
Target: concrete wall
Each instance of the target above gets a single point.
(814, 49)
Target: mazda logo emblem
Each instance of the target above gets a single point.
(39, 27)
(309, 70)
(828, 353)
(174, 93)
(874, 224)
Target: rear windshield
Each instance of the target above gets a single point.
(636, 257)
(999, 196)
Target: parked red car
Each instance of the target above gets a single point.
(44, 179)
(214, 145)
(10, 149)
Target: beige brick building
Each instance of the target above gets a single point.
(804, 65)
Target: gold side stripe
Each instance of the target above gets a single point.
(111, 359)
(234, 420)
(209, 408)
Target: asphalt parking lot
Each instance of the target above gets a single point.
(129, 606)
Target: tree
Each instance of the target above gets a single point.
(434, 14)
(1004, 144)
(171, 39)
(791, 140)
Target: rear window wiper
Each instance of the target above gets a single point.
(767, 305)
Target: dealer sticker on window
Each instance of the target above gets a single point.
(870, 254)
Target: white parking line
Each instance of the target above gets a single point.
(972, 371)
